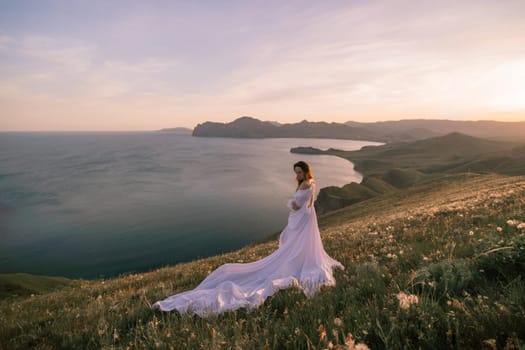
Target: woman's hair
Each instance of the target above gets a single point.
(306, 169)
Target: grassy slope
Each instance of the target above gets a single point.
(23, 284)
(438, 240)
(443, 154)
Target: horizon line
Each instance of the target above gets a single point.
(272, 121)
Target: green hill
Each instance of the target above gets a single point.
(333, 197)
(439, 264)
(377, 185)
(23, 284)
(437, 154)
(403, 164)
(402, 178)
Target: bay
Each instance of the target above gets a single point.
(100, 204)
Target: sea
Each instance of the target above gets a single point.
(103, 204)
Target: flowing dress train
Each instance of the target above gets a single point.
(299, 261)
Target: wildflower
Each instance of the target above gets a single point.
(349, 341)
(471, 233)
(361, 346)
(491, 343)
(338, 322)
(154, 322)
(322, 332)
(513, 222)
(405, 300)
(456, 304)
(499, 229)
(521, 226)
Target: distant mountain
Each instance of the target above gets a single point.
(390, 131)
(177, 130)
(244, 127)
(248, 127)
(514, 131)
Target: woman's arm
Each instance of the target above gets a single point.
(312, 197)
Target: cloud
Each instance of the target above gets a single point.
(391, 54)
(71, 69)
(281, 60)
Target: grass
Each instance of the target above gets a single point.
(23, 284)
(437, 265)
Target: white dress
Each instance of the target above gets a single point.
(299, 261)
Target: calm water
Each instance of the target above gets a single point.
(100, 204)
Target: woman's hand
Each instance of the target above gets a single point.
(295, 206)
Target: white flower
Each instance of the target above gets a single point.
(361, 346)
(513, 222)
(521, 226)
(405, 300)
(499, 229)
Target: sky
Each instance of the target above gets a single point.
(145, 65)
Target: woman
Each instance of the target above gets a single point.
(300, 261)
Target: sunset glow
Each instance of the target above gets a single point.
(135, 65)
